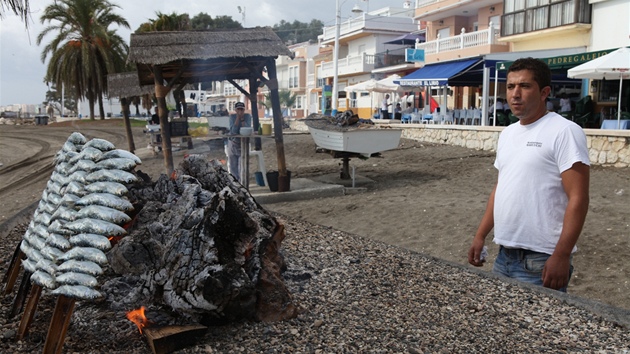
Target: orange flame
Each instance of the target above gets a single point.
(138, 317)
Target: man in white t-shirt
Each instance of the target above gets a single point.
(538, 206)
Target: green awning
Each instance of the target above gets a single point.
(563, 61)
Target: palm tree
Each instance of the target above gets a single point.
(287, 100)
(83, 50)
(18, 7)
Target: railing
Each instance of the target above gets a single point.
(423, 3)
(461, 41)
(371, 23)
(389, 58)
(350, 65)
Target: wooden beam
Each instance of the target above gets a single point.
(163, 340)
(21, 295)
(59, 325)
(283, 182)
(10, 277)
(160, 94)
(238, 87)
(29, 311)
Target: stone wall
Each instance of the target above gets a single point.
(606, 147)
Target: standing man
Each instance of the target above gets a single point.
(540, 201)
(238, 120)
(385, 107)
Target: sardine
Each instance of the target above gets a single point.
(75, 188)
(114, 188)
(103, 213)
(77, 138)
(51, 253)
(73, 278)
(87, 153)
(85, 253)
(58, 241)
(117, 163)
(46, 265)
(100, 144)
(105, 199)
(77, 292)
(29, 265)
(83, 165)
(118, 153)
(91, 240)
(43, 279)
(95, 226)
(111, 176)
(86, 267)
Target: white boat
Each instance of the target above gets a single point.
(360, 141)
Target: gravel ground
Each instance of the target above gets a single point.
(361, 296)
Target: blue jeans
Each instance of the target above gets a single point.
(523, 265)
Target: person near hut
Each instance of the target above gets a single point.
(155, 118)
(385, 107)
(539, 203)
(237, 121)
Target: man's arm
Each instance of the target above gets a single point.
(485, 226)
(576, 184)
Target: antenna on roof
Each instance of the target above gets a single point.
(242, 11)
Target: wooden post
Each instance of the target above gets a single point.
(59, 325)
(12, 273)
(29, 311)
(20, 297)
(160, 94)
(124, 102)
(253, 100)
(163, 340)
(283, 182)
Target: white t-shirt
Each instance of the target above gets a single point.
(530, 202)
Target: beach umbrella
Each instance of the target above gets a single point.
(614, 65)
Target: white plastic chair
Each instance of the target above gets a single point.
(456, 115)
(469, 115)
(447, 118)
(437, 118)
(416, 117)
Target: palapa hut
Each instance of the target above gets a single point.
(124, 86)
(170, 59)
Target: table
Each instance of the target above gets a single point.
(612, 124)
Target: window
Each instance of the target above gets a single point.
(293, 77)
(299, 102)
(522, 16)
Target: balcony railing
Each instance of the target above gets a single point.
(423, 3)
(367, 22)
(389, 58)
(461, 41)
(352, 64)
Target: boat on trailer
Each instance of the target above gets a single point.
(357, 140)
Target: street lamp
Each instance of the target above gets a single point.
(335, 88)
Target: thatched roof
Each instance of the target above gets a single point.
(127, 85)
(205, 55)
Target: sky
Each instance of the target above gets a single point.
(22, 71)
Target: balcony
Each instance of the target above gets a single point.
(465, 44)
(389, 58)
(367, 23)
(350, 65)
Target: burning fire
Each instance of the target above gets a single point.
(138, 317)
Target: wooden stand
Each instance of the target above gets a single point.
(59, 325)
(20, 297)
(29, 311)
(164, 340)
(12, 273)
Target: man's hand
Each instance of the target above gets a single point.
(474, 253)
(555, 274)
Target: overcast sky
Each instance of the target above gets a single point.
(22, 71)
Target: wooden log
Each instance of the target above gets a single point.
(21, 296)
(29, 311)
(14, 269)
(59, 325)
(164, 340)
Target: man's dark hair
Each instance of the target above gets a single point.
(542, 73)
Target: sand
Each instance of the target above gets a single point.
(426, 198)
